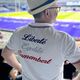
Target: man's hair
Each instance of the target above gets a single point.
(38, 15)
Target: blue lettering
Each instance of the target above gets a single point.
(29, 37)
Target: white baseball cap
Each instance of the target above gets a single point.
(36, 6)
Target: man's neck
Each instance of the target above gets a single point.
(43, 21)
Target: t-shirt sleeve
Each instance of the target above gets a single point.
(14, 42)
(72, 51)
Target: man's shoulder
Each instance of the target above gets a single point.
(62, 34)
(22, 28)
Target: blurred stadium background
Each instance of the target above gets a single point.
(13, 14)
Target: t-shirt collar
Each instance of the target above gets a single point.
(40, 25)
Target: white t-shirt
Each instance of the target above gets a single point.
(42, 51)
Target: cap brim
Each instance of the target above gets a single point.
(41, 8)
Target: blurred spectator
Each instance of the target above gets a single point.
(68, 70)
(7, 72)
(74, 9)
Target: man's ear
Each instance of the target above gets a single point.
(46, 13)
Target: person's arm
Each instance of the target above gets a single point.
(77, 65)
(10, 57)
(78, 77)
(13, 74)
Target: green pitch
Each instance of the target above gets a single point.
(69, 15)
(16, 14)
(61, 15)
